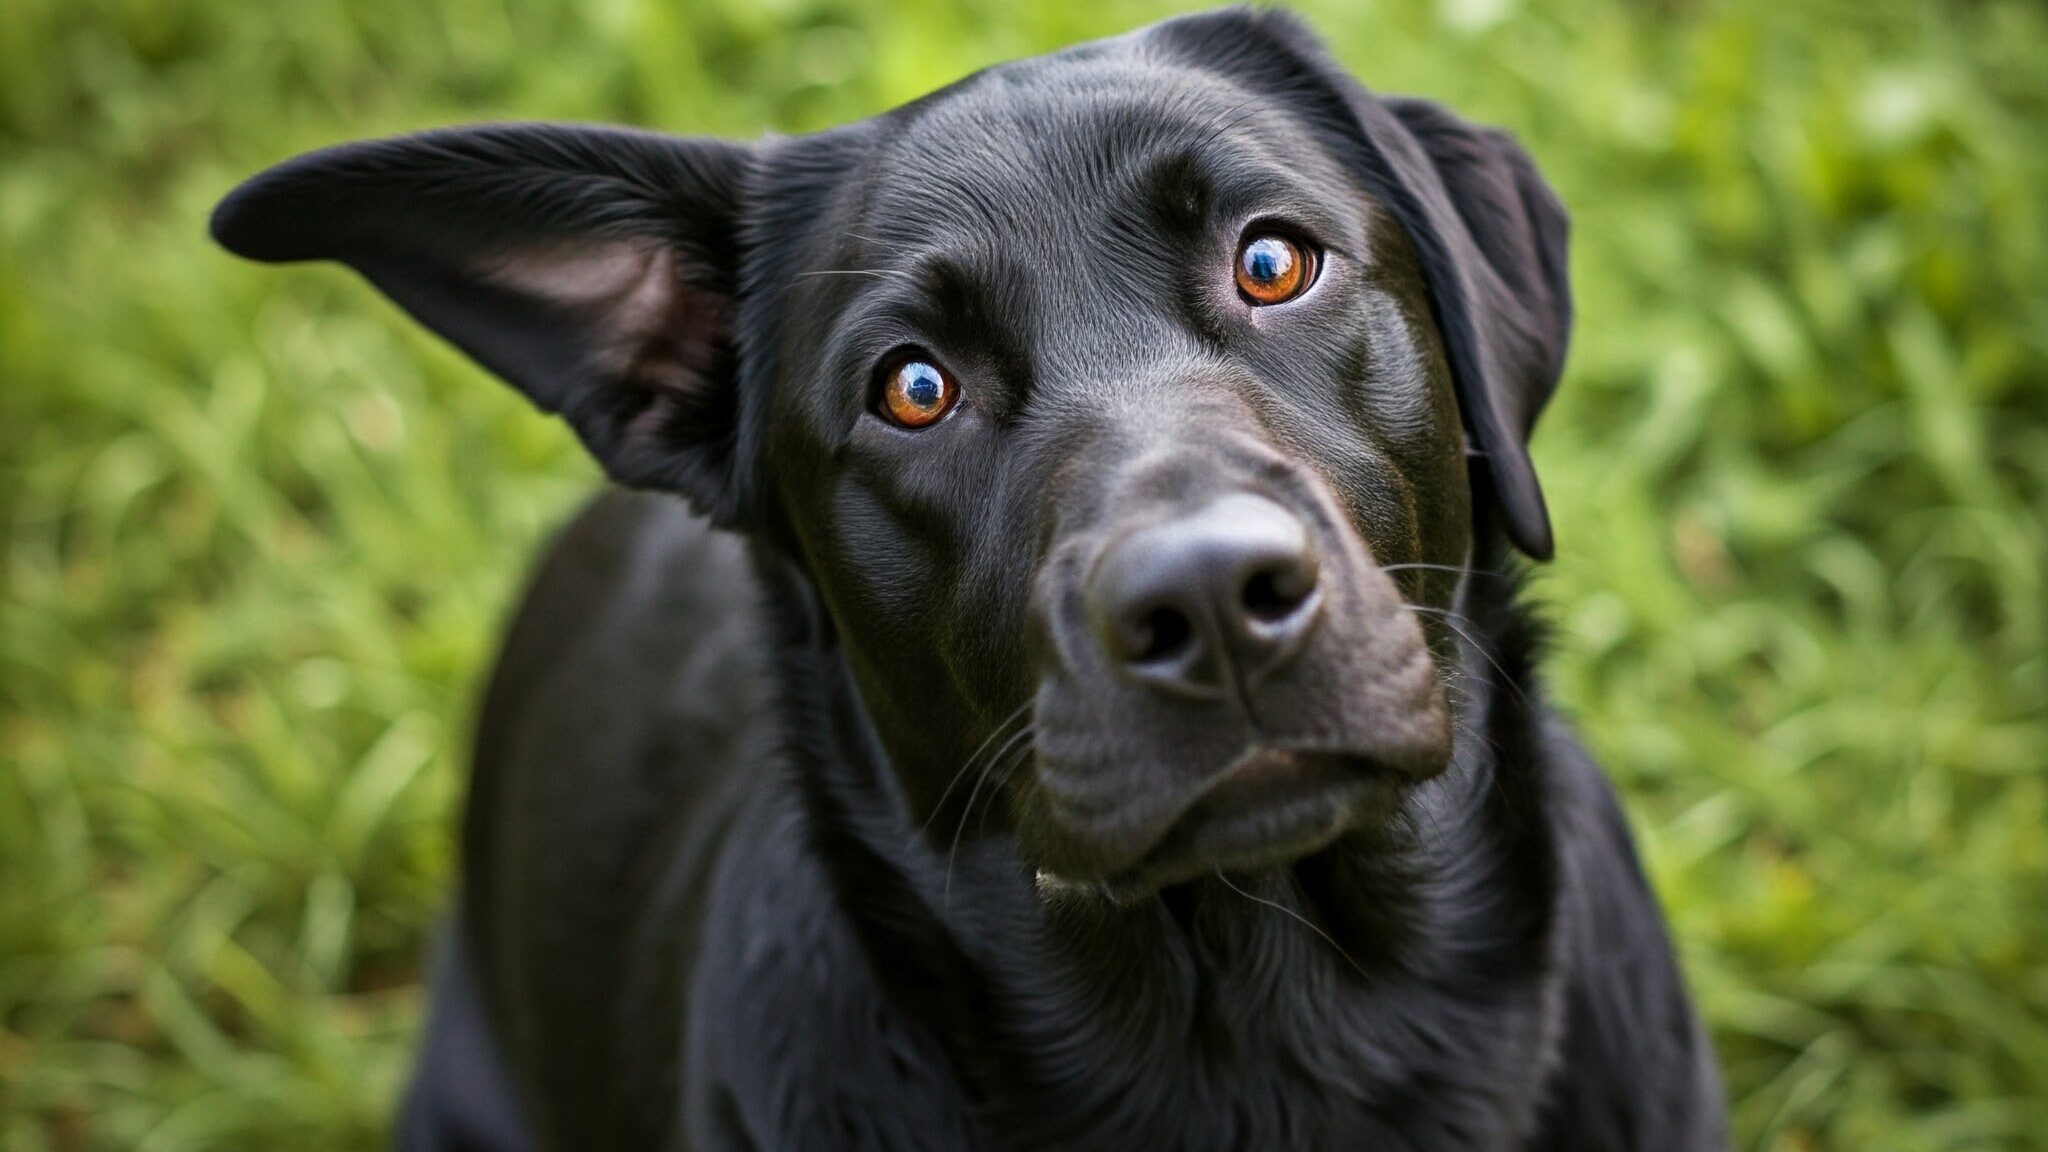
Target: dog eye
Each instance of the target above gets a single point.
(916, 393)
(1272, 269)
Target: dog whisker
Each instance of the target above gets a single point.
(887, 246)
(1304, 921)
(995, 732)
(1231, 119)
(1450, 620)
(1006, 770)
(1462, 570)
(877, 273)
(980, 779)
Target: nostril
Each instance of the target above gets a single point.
(1189, 602)
(1164, 633)
(1273, 594)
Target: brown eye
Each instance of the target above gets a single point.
(916, 392)
(1272, 269)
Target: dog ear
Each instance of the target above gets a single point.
(1516, 295)
(1490, 234)
(595, 269)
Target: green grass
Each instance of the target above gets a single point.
(259, 532)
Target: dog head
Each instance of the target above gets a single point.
(1119, 404)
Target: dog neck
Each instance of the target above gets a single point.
(1067, 1013)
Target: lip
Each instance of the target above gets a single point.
(1271, 807)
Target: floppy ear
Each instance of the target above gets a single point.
(594, 269)
(1490, 234)
(1516, 293)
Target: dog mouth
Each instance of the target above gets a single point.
(1271, 807)
(1294, 708)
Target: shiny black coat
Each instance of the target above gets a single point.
(723, 886)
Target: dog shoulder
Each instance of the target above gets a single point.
(792, 1042)
(1634, 1070)
(626, 717)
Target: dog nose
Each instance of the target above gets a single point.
(1228, 591)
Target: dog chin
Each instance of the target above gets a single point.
(1270, 809)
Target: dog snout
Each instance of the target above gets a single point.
(1208, 601)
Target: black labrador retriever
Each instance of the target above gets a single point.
(1105, 720)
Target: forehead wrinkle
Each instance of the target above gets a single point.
(1065, 133)
(1026, 208)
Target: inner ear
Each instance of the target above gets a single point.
(647, 322)
(666, 421)
(589, 267)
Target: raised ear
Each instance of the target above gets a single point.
(1490, 235)
(594, 269)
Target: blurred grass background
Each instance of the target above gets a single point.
(259, 532)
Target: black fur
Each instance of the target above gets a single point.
(848, 826)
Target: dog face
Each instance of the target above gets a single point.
(1151, 492)
(1117, 404)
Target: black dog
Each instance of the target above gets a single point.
(1106, 722)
